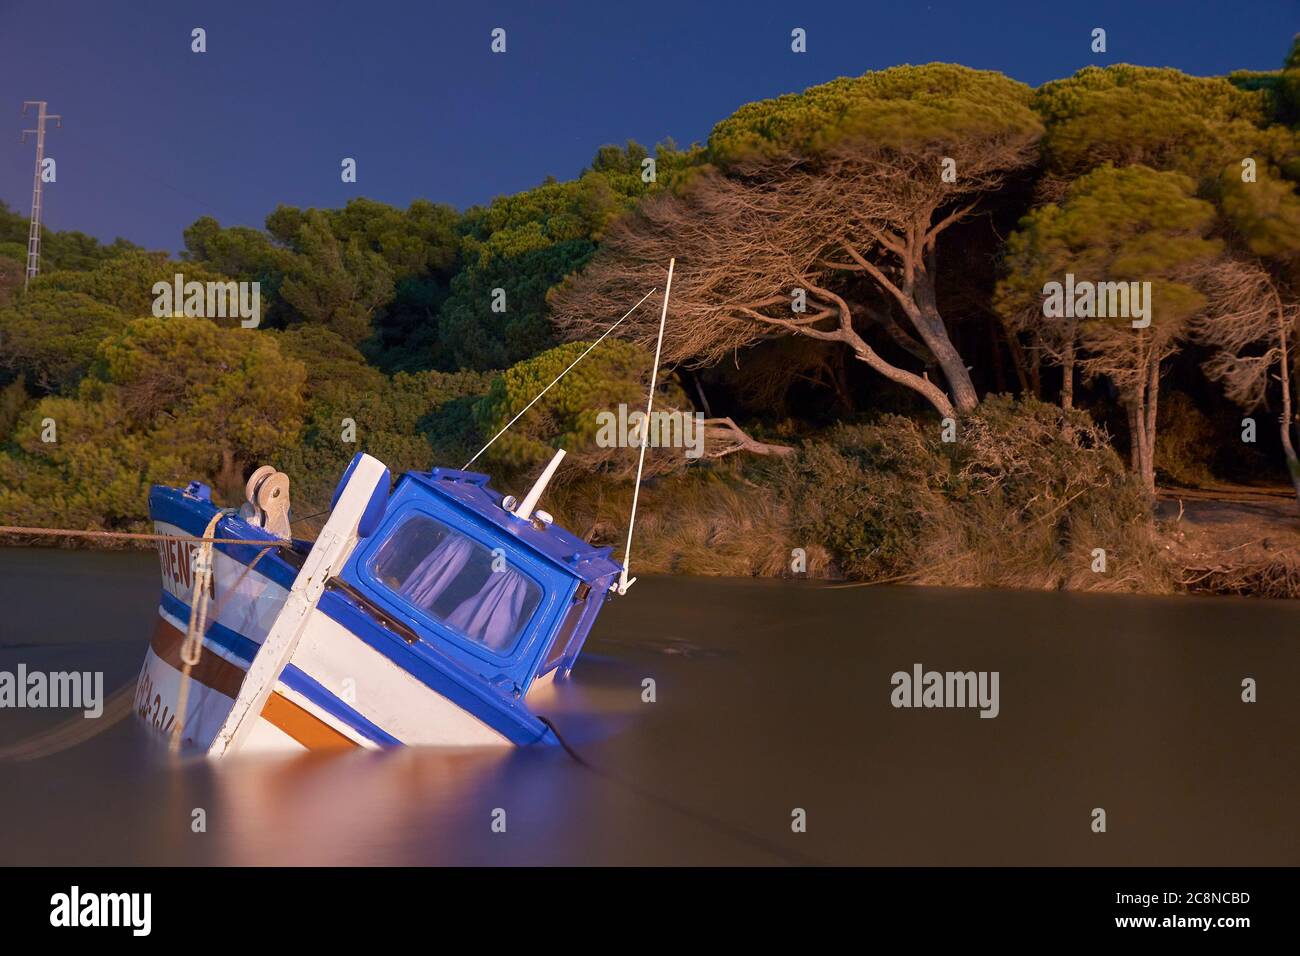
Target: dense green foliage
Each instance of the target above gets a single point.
(1128, 224)
(348, 298)
(59, 250)
(1158, 117)
(169, 399)
(898, 108)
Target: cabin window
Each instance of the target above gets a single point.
(458, 582)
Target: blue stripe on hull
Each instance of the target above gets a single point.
(192, 517)
(243, 649)
(508, 717)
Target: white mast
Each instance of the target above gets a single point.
(525, 510)
(623, 582)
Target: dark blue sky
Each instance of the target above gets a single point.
(157, 136)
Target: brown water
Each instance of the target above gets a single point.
(770, 697)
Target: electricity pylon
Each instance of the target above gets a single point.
(34, 233)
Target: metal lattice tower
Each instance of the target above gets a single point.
(34, 233)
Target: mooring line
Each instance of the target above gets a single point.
(722, 826)
(73, 731)
(120, 702)
(558, 377)
(195, 649)
(136, 536)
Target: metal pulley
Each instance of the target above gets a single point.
(267, 492)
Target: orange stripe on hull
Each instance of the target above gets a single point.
(312, 732)
(220, 675)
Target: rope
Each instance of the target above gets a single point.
(131, 535)
(698, 816)
(121, 702)
(557, 378)
(309, 517)
(192, 646)
(75, 730)
(624, 583)
(182, 695)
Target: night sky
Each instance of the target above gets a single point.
(156, 136)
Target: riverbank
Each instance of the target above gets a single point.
(1225, 539)
(1233, 539)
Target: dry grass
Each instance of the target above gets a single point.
(1022, 499)
(709, 521)
(1018, 506)
(1036, 555)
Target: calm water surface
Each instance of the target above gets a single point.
(770, 696)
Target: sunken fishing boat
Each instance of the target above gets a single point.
(425, 615)
(428, 611)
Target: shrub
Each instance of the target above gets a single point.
(1185, 437)
(1021, 498)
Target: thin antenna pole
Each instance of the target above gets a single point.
(558, 377)
(34, 230)
(623, 582)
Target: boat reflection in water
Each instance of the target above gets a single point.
(412, 805)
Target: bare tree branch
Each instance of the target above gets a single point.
(745, 242)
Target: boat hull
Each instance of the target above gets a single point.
(341, 690)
